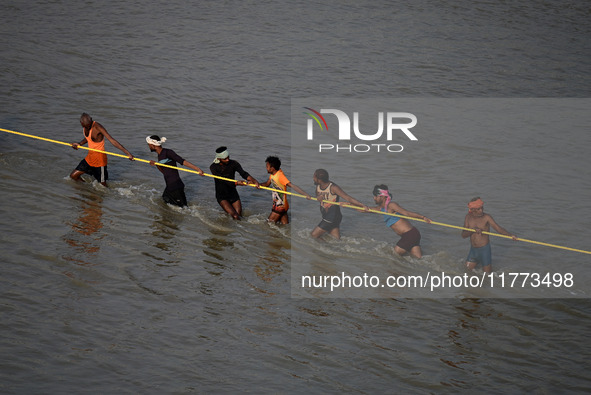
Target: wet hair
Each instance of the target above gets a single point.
(376, 189)
(322, 175)
(154, 137)
(220, 150)
(475, 199)
(274, 161)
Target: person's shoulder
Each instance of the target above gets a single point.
(489, 218)
(334, 187)
(98, 126)
(283, 176)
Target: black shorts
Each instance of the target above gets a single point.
(410, 239)
(331, 218)
(231, 195)
(176, 197)
(100, 173)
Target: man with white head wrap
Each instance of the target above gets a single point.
(225, 191)
(175, 188)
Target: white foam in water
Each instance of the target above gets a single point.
(201, 214)
(127, 192)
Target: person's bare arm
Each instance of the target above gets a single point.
(499, 228)
(299, 190)
(337, 190)
(76, 145)
(254, 181)
(113, 141)
(397, 208)
(466, 233)
(192, 166)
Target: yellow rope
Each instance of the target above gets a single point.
(296, 194)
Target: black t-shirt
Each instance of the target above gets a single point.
(171, 176)
(226, 189)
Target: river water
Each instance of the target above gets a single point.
(109, 290)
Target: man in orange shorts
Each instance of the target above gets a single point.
(95, 163)
(278, 180)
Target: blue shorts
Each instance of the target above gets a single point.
(480, 255)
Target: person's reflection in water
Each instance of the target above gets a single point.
(83, 238)
(272, 260)
(162, 235)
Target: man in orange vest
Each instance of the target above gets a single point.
(95, 163)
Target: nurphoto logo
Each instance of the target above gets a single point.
(397, 124)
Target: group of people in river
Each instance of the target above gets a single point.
(327, 193)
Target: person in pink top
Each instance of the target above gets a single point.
(278, 180)
(95, 163)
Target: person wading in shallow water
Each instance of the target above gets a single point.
(328, 191)
(410, 237)
(95, 163)
(175, 188)
(278, 180)
(225, 191)
(480, 251)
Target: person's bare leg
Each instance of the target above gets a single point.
(229, 208)
(75, 175)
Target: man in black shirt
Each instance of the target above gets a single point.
(175, 188)
(225, 191)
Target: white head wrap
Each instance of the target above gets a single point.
(155, 142)
(221, 155)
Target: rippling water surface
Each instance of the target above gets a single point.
(110, 290)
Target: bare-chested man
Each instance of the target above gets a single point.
(95, 163)
(480, 251)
